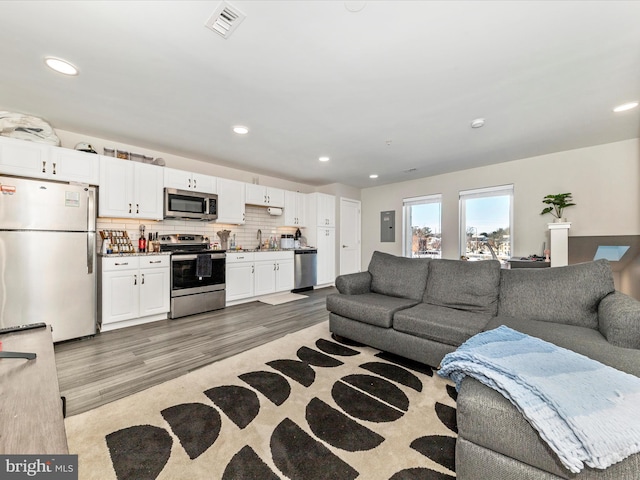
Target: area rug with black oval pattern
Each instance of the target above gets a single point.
(304, 407)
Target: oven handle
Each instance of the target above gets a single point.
(180, 256)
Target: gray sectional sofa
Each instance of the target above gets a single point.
(423, 309)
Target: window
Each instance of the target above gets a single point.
(421, 227)
(486, 217)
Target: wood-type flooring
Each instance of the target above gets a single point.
(115, 364)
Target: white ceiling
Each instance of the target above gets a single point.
(387, 89)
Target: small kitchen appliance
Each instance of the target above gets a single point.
(187, 205)
(286, 242)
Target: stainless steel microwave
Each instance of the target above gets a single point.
(184, 204)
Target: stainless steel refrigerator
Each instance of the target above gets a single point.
(48, 256)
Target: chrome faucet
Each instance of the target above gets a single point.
(259, 237)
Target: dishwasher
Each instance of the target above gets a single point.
(305, 262)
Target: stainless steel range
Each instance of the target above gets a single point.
(197, 274)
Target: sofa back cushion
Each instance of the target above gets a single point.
(469, 286)
(568, 295)
(398, 276)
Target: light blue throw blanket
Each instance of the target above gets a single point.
(587, 412)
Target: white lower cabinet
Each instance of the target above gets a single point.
(134, 290)
(253, 274)
(239, 276)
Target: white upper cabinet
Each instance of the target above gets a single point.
(130, 189)
(196, 182)
(321, 210)
(37, 160)
(264, 196)
(231, 201)
(294, 209)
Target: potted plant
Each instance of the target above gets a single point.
(558, 203)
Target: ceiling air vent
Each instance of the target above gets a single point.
(225, 19)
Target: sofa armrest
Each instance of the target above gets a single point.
(354, 283)
(619, 320)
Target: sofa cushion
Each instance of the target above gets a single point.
(398, 276)
(371, 308)
(470, 286)
(440, 324)
(567, 295)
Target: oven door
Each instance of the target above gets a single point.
(184, 278)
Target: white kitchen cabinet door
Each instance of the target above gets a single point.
(155, 293)
(120, 296)
(326, 243)
(178, 179)
(264, 196)
(23, 158)
(204, 183)
(30, 159)
(184, 180)
(73, 166)
(148, 198)
(130, 189)
(294, 209)
(265, 277)
(116, 188)
(231, 198)
(322, 209)
(239, 280)
(284, 275)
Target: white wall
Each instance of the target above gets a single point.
(604, 181)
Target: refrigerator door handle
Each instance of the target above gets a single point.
(91, 209)
(91, 251)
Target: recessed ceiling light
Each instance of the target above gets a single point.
(324, 159)
(625, 107)
(477, 123)
(61, 66)
(241, 130)
(373, 175)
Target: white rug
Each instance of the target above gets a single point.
(303, 407)
(280, 298)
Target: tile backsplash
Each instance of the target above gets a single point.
(246, 235)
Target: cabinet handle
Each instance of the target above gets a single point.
(44, 163)
(129, 208)
(265, 199)
(155, 261)
(278, 266)
(253, 268)
(268, 198)
(239, 258)
(137, 208)
(142, 279)
(54, 168)
(135, 279)
(189, 183)
(125, 263)
(194, 183)
(274, 267)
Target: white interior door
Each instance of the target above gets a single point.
(349, 236)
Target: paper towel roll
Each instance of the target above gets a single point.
(274, 211)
